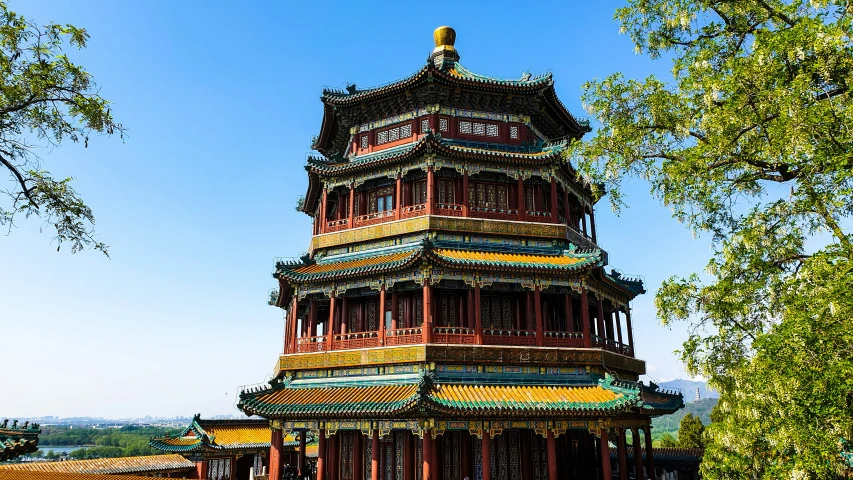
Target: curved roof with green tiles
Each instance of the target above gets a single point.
(214, 436)
(423, 395)
(439, 82)
(553, 260)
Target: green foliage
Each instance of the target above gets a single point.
(51, 455)
(690, 432)
(749, 144)
(46, 98)
(667, 441)
(700, 409)
(126, 441)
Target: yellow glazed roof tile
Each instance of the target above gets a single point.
(507, 258)
(137, 464)
(226, 435)
(350, 264)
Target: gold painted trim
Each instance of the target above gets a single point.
(441, 223)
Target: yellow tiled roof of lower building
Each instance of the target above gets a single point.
(485, 397)
(129, 465)
(463, 256)
(230, 434)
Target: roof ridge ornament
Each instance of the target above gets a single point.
(444, 55)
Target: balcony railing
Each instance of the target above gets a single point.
(404, 336)
(493, 213)
(458, 336)
(448, 209)
(349, 341)
(311, 344)
(374, 218)
(540, 217)
(454, 335)
(509, 337)
(578, 238)
(612, 345)
(336, 225)
(414, 210)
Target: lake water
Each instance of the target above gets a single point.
(60, 449)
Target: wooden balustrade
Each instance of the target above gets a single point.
(311, 344)
(448, 210)
(350, 341)
(374, 218)
(336, 225)
(564, 339)
(493, 213)
(454, 335)
(414, 210)
(539, 217)
(404, 336)
(458, 336)
(509, 337)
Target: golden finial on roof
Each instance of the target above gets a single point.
(444, 38)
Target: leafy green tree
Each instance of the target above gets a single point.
(668, 441)
(750, 144)
(51, 455)
(46, 99)
(690, 432)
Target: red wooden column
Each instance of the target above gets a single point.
(478, 315)
(618, 327)
(275, 454)
(427, 454)
(554, 200)
(605, 455)
(570, 315)
(521, 213)
(487, 456)
(638, 452)
(351, 222)
(430, 208)
(395, 309)
(650, 454)
(408, 456)
(312, 319)
(201, 468)
(587, 333)
(344, 315)
(323, 211)
(398, 214)
(374, 456)
(321, 455)
(629, 328)
(382, 315)
(358, 456)
(301, 453)
(599, 319)
(427, 305)
(552, 456)
(470, 321)
(622, 453)
(592, 223)
(334, 456)
(537, 308)
(330, 325)
(465, 197)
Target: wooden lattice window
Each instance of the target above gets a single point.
(380, 200)
(446, 191)
(513, 132)
(529, 204)
(419, 192)
(450, 455)
(219, 469)
(540, 458)
(488, 195)
(368, 455)
(496, 312)
(346, 452)
(425, 126)
(399, 451)
(372, 315)
(449, 311)
(419, 311)
(394, 133)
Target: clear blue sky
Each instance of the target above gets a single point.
(222, 102)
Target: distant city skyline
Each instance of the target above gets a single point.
(221, 104)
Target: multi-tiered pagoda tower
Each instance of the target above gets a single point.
(453, 317)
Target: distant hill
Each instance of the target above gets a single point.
(671, 422)
(688, 388)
